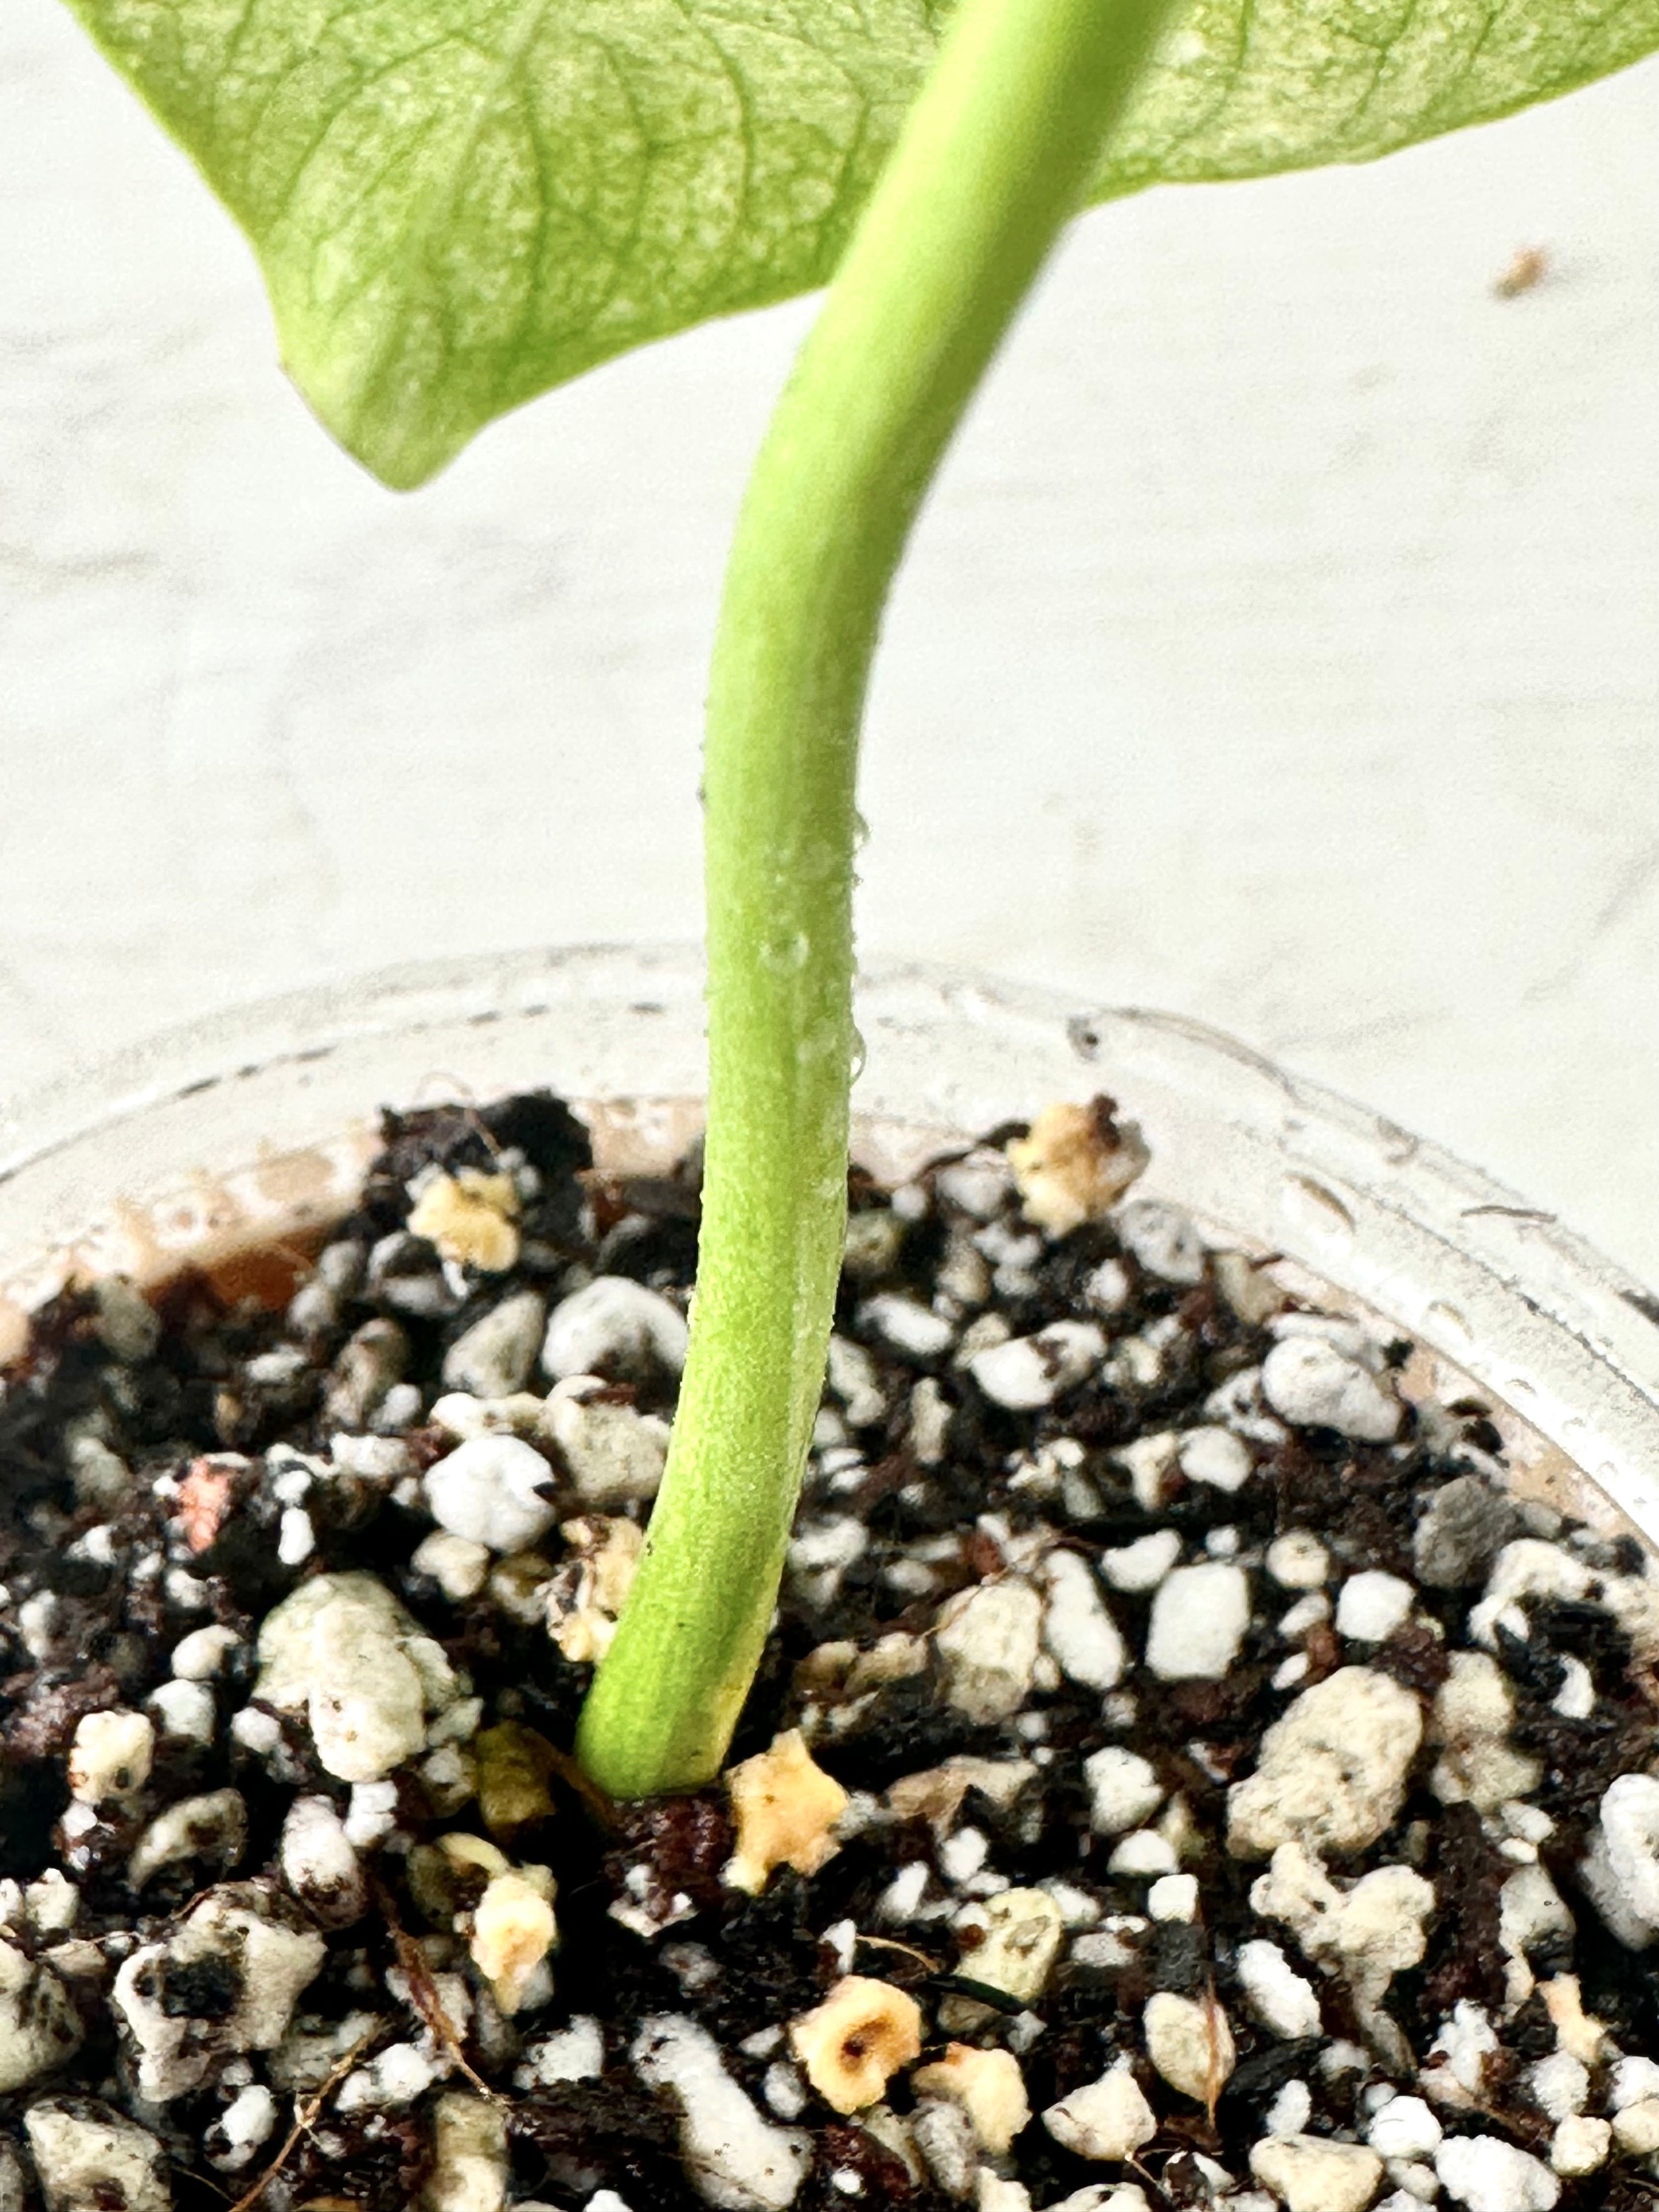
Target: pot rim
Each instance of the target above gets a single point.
(1520, 1303)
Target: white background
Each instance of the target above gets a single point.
(1282, 646)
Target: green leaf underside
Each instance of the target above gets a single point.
(457, 204)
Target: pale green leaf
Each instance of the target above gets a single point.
(460, 203)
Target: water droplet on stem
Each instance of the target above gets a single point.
(785, 953)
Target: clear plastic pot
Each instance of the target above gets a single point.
(254, 1125)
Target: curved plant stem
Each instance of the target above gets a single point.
(994, 157)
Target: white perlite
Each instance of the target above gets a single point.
(463, 1416)
(1190, 2043)
(1580, 2146)
(111, 1756)
(826, 1547)
(343, 1650)
(1372, 1605)
(1173, 1897)
(612, 1453)
(1558, 2085)
(266, 1961)
(912, 1330)
(1529, 1908)
(1634, 2081)
(993, 2194)
(1404, 2128)
(1489, 2175)
(490, 1490)
(1474, 1713)
(1283, 2000)
(615, 1328)
(987, 1639)
(88, 2155)
(1163, 1239)
(1312, 2175)
(1367, 1932)
(1143, 1854)
(460, 1569)
(784, 2090)
(246, 2123)
(1215, 1456)
(1333, 1767)
(1142, 1565)
(213, 1827)
(1636, 2127)
(494, 1358)
(184, 1709)
(1297, 1561)
(736, 2159)
(1150, 1465)
(1527, 1568)
(855, 1379)
(1239, 1403)
(575, 2053)
(1103, 2197)
(1575, 1699)
(52, 1904)
(1289, 2111)
(1107, 2119)
(319, 1864)
(1306, 1380)
(1199, 1619)
(1030, 1372)
(1466, 2042)
(961, 1856)
(1124, 1789)
(1621, 1870)
(372, 1814)
(394, 2076)
(200, 1655)
(930, 1421)
(40, 2028)
(1078, 1632)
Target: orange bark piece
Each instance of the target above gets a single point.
(204, 1502)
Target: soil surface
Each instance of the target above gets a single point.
(1180, 1775)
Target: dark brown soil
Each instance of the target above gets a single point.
(103, 1577)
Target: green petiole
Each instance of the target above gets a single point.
(995, 156)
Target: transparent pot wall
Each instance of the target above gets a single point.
(257, 1124)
